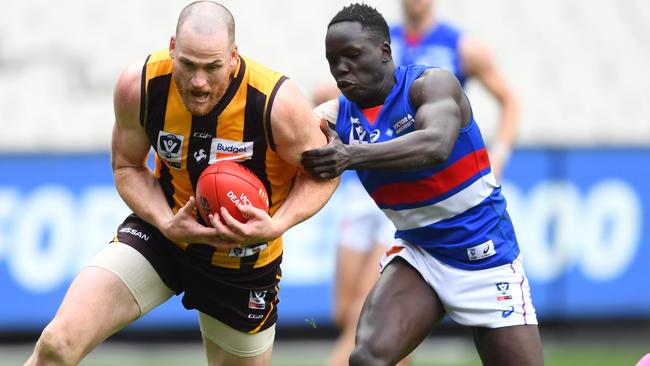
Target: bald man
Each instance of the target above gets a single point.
(195, 103)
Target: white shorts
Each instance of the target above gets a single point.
(362, 224)
(149, 291)
(491, 298)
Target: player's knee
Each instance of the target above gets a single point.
(54, 347)
(364, 355)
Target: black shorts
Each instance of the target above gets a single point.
(245, 299)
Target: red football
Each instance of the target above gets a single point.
(229, 184)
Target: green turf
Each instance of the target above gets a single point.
(554, 356)
(559, 354)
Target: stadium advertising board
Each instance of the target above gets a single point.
(581, 217)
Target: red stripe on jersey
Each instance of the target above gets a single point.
(393, 250)
(435, 185)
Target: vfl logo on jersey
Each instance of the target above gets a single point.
(223, 149)
(503, 291)
(481, 251)
(256, 300)
(170, 148)
(403, 124)
(246, 251)
(358, 134)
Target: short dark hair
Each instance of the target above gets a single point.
(371, 20)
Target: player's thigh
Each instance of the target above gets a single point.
(115, 288)
(399, 312)
(517, 345)
(96, 305)
(227, 346)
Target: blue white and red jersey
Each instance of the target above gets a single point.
(438, 47)
(455, 211)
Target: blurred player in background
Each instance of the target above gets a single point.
(410, 134)
(364, 236)
(424, 39)
(195, 103)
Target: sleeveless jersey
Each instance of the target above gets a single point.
(238, 128)
(455, 211)
(437, 48)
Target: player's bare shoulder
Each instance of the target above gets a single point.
(437, 85)
(294, 126)
(126, 95)
(434, 83)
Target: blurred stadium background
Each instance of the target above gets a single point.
(577, 183)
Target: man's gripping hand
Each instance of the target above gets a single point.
(184, 228)
(259, 227)
(330, 160)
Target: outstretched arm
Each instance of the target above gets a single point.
(480, 64)
(442, 110)
(135, 182)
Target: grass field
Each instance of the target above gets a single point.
(435, 352)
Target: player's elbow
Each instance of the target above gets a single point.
(436, 152)
(435, 157)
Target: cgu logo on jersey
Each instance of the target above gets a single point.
(223, 149)
(358, 134)
(170, 148)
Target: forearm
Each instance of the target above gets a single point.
(502, 144)
(509, 119)
(307, 196)
(141, 191)
(417, 150)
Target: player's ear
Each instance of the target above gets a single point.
(172, 46)
(234, 57)
(386, 52)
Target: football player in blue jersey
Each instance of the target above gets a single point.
(410, 134)
(426, 39)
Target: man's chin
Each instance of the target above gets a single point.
(200, 110)
(351, 95)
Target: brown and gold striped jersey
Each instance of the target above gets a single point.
(238, 128)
